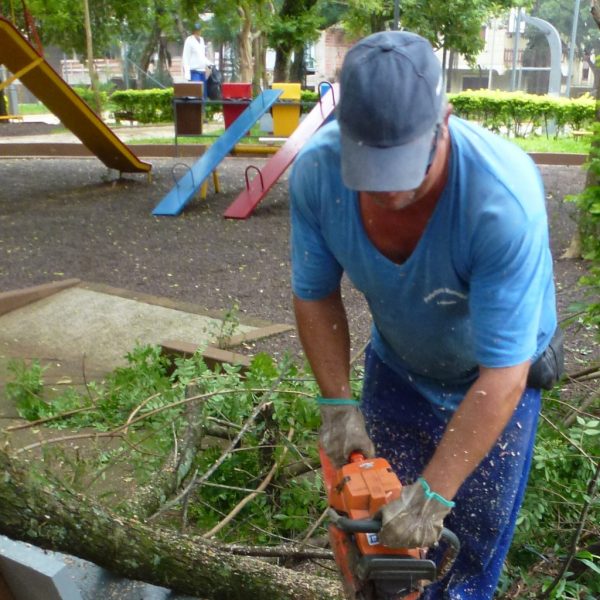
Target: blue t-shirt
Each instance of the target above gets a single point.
(477, 289)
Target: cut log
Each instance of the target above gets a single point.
(50, 516)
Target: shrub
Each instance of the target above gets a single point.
(520, 114)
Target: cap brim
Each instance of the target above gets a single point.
(393, 169)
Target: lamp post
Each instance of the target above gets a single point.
(517, 37)
(396, 14)
(491, 67)
(572, 47)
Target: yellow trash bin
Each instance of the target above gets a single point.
(286, 112)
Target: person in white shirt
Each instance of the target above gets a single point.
(194, 57)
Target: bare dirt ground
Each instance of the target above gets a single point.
(63, 218)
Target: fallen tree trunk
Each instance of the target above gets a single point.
(51, 516)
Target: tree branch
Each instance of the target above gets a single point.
(591, 492)
(50, 516)
(263, 486)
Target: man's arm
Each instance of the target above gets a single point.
(185, 59)
(416, 519)
(323, 330)
(475, 427)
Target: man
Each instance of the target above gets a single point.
(194, 57)
(442, 226)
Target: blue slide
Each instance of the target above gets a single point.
(187, 187)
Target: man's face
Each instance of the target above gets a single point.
(401, 200)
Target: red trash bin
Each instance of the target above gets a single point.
(238, 92)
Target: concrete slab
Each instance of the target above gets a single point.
(32, 574)
(77, 322)
(35, 574)
(83, 332)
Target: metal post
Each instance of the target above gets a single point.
(572, 47)
(396, 14)
(125, 64)
(11, 93)
(513, 75)
(491, 66)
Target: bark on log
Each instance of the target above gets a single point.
(51, 516)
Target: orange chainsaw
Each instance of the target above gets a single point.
(370, 570)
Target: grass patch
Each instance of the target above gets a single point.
(33, 108)
(182, 139)
(561, 145)
(204, 139)
(207, 139)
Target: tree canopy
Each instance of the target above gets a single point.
(287, 25)
(450, 24)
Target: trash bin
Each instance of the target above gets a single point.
(187, 106)
(286, 112)
(239, 95)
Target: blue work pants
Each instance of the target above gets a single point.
(406, 431)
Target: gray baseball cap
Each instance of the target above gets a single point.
(391, 99)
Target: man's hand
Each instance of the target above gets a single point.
(343, 431)
(416, 519)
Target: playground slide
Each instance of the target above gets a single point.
(187, 187)
(23, 61)
(243, 206)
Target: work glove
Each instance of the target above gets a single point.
(343, 430)
(416, 519)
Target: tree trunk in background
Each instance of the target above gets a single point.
(147, 53)
(3, 103)
(221, 65)
(450, 70)
(245, 46)
(260, 68)
(90, 58)
(281, 73)
(282, 65)
(51, 516)
(298, 68)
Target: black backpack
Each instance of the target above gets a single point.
(213, 84)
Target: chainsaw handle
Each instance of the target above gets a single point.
(373, 525)
(450, 538)
(357, 525)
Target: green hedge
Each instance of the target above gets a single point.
(521, 114)
(155, 105)
(513, 113)
(143, 106)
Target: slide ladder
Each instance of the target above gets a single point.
(24, 62)
(265, 178)
(187, 187)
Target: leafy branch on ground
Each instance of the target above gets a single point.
(252, 481)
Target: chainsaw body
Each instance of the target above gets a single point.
(370, 570)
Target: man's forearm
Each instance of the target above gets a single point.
(323, 330)
(475, 427)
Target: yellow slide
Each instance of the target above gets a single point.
(21, 59)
